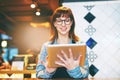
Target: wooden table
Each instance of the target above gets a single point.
(25, 73)
(8, 71)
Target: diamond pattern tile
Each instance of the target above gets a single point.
(93, 70)
(92, 56)
(107, 34)
(89, 7)
(90, 30)
(89, 17)
(91, 43)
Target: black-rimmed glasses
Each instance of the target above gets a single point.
(66, 21)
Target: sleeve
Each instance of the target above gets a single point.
(40, 69)
(80, 72)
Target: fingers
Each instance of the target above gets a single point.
(79, 57)
(46, 57)
(42, 62)
(71, 54)
(64, 55)
(60, 63)
(61, 58)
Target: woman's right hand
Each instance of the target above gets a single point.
(48, 69)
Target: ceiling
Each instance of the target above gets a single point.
(15, 13)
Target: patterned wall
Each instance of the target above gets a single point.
(98, 24)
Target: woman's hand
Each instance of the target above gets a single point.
(69, 62)
(49, 70)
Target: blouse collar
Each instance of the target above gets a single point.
(55, 42)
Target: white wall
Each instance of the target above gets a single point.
(107, 34)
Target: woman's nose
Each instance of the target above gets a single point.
(63, 23)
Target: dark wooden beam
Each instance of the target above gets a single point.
(7, 17)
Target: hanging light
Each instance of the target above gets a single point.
(38, 12)
(32, 5)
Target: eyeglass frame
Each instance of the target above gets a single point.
(61, 21)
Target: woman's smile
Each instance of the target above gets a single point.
(63, 28)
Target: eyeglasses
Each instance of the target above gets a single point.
(66, 21)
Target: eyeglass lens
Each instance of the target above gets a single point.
(66, 21)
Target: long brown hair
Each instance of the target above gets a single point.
(62, 11)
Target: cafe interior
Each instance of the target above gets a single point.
(24, 27)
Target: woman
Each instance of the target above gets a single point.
(62, 32)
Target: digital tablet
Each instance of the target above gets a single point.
(77, 49)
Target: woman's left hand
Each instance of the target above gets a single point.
(69, 62)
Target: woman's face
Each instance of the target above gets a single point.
(63, 25)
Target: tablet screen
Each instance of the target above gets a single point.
(53, 50)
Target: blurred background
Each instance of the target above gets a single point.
(25, 26)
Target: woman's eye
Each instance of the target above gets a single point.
(66, 20)
(59, 21)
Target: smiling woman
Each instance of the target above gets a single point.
(62, 32)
